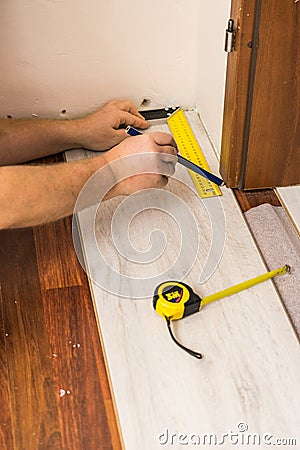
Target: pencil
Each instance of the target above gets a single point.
(185, 162)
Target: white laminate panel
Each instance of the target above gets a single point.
(251, 365)
(290, 198)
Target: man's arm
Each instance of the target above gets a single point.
(24, 140)
(32, 195)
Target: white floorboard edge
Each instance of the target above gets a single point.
(250, 371)
(290, 198)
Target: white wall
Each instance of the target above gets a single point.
(211, 71)
(76, 54)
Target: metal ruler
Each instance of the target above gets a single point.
(190, 149)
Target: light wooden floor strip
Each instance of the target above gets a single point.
(290, 198)
(250, 371)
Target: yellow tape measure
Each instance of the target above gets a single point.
(190, 149)
(175, 300)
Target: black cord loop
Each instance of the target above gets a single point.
(188, 350)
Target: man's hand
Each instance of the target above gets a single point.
(152, 157)
(105, 128)
(22, 140)
(31, 195)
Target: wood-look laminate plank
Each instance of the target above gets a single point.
(114, 437)
(75, 345)
(6, 435)
(32, 392)
(81, 381)
(40, 272)
(62, 269)
(251, 354)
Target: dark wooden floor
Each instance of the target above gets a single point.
(49, 346)
(54, 389)
(250, 199)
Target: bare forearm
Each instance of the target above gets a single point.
(24, 140)
(31, 195)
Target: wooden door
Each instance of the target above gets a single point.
(261, 137)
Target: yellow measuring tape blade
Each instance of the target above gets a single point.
(190, 149)
(245, 285)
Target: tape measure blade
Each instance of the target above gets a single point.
(189, 148)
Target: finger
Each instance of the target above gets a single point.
(163, 181)
(160, 181)
(165, 168)
(169, 155)
(121, 135)
(171, 168)
(149, 182)
(127, 105)
(168, 169)
(126, 118)
(165, 139)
